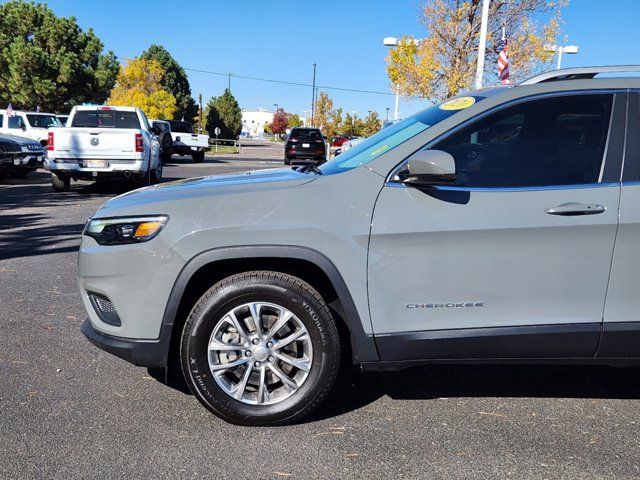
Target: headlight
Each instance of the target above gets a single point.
(124, 230)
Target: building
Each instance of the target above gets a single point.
(254, 122)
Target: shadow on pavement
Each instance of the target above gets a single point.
(355, 390)
(25, 242)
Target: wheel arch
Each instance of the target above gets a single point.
(209, 267)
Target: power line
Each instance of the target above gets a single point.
(285, 82)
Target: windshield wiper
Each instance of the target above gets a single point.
(310, 167)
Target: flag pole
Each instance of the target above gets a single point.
(483, 43)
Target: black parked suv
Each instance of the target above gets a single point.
(19, 156)
(305, 145)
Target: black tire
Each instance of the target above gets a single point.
(165, 157)
(145, 179)
(60, 183)
(261, 286)
(287, 161)
(198, 157)
(165, 140)
(156, 173)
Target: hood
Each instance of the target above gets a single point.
(141, 201)
(5, 137)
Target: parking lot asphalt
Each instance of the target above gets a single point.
(69, 410)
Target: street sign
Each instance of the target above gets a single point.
(216, 131)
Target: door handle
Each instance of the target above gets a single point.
(573, 209)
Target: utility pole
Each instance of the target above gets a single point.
(387, 114)
(313, 95)
(483, 42)
(229, 82)
(200, 100)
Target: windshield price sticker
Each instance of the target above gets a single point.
(458, 103)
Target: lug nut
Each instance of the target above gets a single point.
(271, 359)
(255, 341)
(257, 364)
(248, 353)
(269, 344)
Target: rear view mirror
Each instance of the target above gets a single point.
(429, 168)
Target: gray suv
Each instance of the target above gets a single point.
(498, 226)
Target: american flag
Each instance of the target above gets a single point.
(503, 60)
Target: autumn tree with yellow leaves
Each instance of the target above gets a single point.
(443, 63)
(138, 85)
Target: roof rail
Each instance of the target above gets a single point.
(579, 73)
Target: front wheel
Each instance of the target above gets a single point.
(260, 348)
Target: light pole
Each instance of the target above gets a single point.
(387, 114)
(393, 42)
(568, 49)
(276, 105)
(483, 43)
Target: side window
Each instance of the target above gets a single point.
(16, 121)
(552, 141)
(1, 120)
(145, 121)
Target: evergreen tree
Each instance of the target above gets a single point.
(50, 62)
(174, 81)
(224, 112)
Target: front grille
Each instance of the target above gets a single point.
(10, 147)
(105, 309)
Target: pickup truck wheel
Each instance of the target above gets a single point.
(287, 161)
(60, 183)
(145, 179)
(198, 157)
(156, 174)
(260, 348)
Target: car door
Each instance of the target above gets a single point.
(513, 259)
(621, 328)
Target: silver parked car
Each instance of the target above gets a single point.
(498, 226)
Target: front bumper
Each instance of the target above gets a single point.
(143, 353)
(21, 162)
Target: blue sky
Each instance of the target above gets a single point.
(282, 39)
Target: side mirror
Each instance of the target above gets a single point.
(427, 168)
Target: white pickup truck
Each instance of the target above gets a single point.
(33, 125)
(102, 142)
(183, 140)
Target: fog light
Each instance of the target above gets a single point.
(105, 309)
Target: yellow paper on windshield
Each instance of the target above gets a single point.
(458, 103)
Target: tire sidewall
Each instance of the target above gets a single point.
(198, 330)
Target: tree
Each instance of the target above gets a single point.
(327, 118)
(280, 122)
(224, 112)
(50, 62)
(371, 124)
(175, 81)
(138, 85)
(351, 125)
(294, 120)
(444, 62)
(322, 111)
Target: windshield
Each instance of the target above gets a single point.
(105, 118)
(43, 121)
(392, 136)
